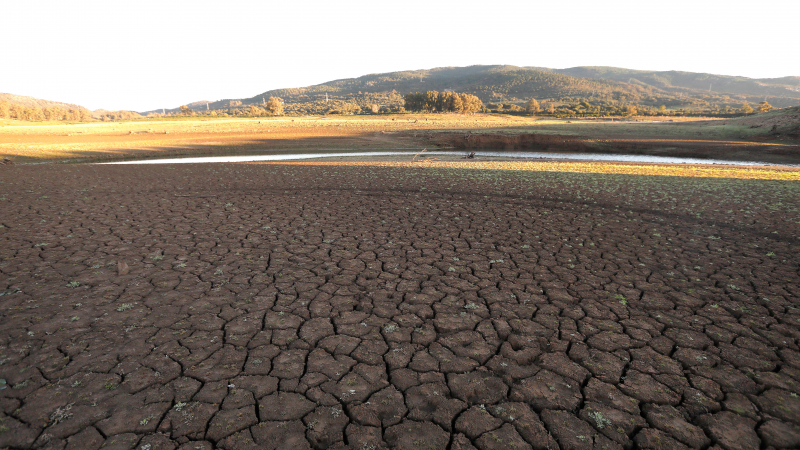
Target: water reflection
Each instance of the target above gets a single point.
(478, 154)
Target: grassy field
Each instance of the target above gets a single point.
(32, 142)
(24, 142)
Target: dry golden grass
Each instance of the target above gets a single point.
(701, 171)
(28, 142)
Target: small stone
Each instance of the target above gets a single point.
(122, 268)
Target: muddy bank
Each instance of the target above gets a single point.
(513, 142)
(727, 150)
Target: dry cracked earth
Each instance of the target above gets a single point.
(283, 306)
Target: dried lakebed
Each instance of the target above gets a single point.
(244, 306)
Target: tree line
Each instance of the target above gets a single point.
(601, 108)
(16, 111)
(432, 101)
(762, 107)
(429, 101)
(273, 107)
(303, 105)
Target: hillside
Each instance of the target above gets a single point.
(19, 107)
(31, 102)
(487, 82)
(775, 124)
(492, 84)
(609, 86)
(685, 82)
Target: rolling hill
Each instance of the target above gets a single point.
(20, 107)
(503, 84)
(677, 82)
(30, 102)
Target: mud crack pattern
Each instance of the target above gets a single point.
(285, 306)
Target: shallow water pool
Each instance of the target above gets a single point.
(410, 153)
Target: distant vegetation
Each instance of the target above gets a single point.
(787, 88)
(432, 101)
(17, 111)
(576, 92)
(274, 106)
(18, 107)
(30, 102)
(102, 114)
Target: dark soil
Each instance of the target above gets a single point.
(284, 306)
(788, 153)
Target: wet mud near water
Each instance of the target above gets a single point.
(784, 153)
(264, 306)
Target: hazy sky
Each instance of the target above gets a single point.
(142, 55)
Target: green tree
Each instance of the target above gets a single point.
(470, 103)
(33, 113)
(764, 107)
(16, 111)
(450, 102)
(349, 108)
(430, 99)
(412, 101)
(275, 106)
(53, 113)
(185, 110)
(551, 108)
(533, 107)
(746, 108)
(4, 110)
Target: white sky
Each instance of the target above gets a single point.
(145, 54)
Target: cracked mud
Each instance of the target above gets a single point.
(281, 306)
